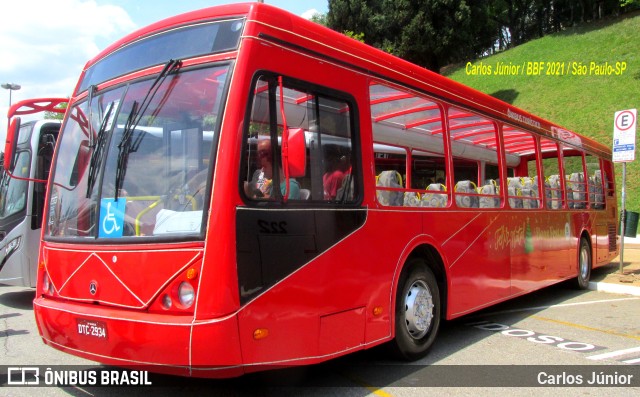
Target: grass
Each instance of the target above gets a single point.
(583, 103)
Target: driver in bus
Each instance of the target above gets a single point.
(261, 184)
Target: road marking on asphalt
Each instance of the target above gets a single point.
(84, 391)
(616, 353)
(584, 327)
(633, 361)
(534, 308)
(378, 392)
(537, 337)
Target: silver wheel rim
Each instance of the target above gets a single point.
(584, 262)
(418, 304)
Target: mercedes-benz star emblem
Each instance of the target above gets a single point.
(93, 287)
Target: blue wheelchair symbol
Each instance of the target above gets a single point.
(112, 217)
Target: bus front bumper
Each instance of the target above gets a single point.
(160, 343)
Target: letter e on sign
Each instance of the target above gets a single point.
(624, 135)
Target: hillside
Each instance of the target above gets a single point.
(599, 73)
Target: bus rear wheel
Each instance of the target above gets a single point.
(418, 311)
(584, 265)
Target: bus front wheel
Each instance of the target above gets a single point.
(417, 311)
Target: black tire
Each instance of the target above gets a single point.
(418, 312)
(584, 265)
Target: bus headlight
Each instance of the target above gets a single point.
(166, 302)
(11, 246)
(47, 287)
(186, 294)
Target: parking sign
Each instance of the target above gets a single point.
(624, 135)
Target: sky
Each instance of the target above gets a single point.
(44, 44)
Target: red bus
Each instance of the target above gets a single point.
(237, 188)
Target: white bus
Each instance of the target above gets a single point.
(23, 189)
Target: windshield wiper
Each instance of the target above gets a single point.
(98, 151)
(137, 111)
(92, 89)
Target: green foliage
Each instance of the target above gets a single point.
(56, 115)
(209, 122)
(630, 3)
(582, 103)
(426, 32)
(432, 33)
(356, 36)
(319, 19)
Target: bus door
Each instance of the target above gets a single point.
(294, 263)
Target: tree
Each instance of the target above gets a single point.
(319, 18)
(56, 115)
(433, 33)
(430, 33)
(529, 19)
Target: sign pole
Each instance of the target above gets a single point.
(624, 149)
(623, 219)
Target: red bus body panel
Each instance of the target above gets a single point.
(341, 301)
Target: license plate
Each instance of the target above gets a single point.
(95, 329)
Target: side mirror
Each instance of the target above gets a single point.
(11, 143)
(296, 158)
(29, 106)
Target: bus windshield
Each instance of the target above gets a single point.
(134, 160)
(180, 43)
(13, 191)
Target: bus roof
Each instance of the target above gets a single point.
(280, 27)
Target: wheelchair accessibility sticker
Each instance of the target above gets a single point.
(112, 217)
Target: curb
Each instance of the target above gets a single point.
(614, 288)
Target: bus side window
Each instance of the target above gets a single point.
(332, 129)
(408, 134)
(594, 182)
(427, 172)
(391, 166)
(328, 129)
(336, 179)
(553, 193)
(524, 187)
(607, 178)
(575, 181)
(474, 143)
